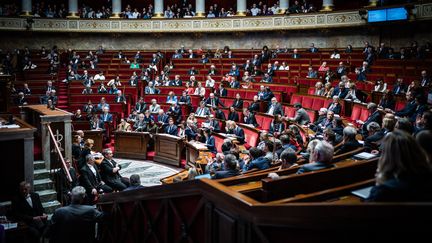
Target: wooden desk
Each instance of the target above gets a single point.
(197, 154)
(131, 145)
(16, 149)
(60, 123)
(168, 149)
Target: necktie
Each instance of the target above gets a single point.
(213, 102)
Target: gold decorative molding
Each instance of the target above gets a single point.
(233, 24)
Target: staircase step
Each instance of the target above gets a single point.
(47, 195)
(51, 206)
(41, 174)
(39, 164)
(43, 184)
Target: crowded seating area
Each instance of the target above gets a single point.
(215, 144)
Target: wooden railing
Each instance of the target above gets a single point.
(207, 211)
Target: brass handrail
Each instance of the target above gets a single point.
(59, 153)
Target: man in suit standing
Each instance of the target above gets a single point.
(110, 172)
(27, 208)
(91, 180)
(76, 222)
(301, 116)
(275, 108)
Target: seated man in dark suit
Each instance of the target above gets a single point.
(109, 170)
(233, 115)
(349, 142)
(275, 108)
(140, 106)
(249, 117)
(91, 180)
(255, 105)
(399, 87)
(191, 131)
(76, 222)
(409, 109)
(236, 131)
(320, 158)
(27, 208)
(230, 168)
(257, 160)
(375, 134)
(374, 116)
(213, 101)
(171, 129)
(213, 124)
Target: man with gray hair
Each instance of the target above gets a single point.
(349, 141)
(110, 172)
(76, 222)
(320, 158)
(374, 116)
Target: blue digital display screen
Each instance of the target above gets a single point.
(377, 15)
(397, 14)
(388, 14)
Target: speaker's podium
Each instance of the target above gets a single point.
(168, 149)
(131, 145)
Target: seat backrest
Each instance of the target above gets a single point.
(312, 115)
(218, 143)
(311, 91)
(364, 114)
(289, 111)
(251, 137)
(307, 102)
(355, 113)
(264, 121)
(318, 103)
(296, 98)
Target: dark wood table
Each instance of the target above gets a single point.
(131, 145)
(168, 149)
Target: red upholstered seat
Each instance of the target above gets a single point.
(266, 120)
(364, 114)
(311, 91)
(307, 102)
(289, 111)
(400, 105)
(355, 113)
(251, 137)
(296, 98)
(218, 143)
(312, 115)
(318, 103)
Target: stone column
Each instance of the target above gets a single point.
(28, 160)
(241, 7)
(373, 3)
(26, 7)
(116, 9)
(158, 9)
(68, 139)
(73, 9)
(46, 145)
(283, 6)
(200, 8)
(327, 5)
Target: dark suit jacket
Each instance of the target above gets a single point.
(406, 189)
(339, 93)
(190, 134)
(233, 116)
(185, 99)
(276, 127)
(220, 115)
(210, 142)
(276, 110)
(238, 104)
(88, 180)
(239, 134)
(109, 117)
(216, 102)
(106, 172)
(215, 125)
(374, 117)
(408, 110)
(22, 211)
(74, 223)
(254, 107)
(222, 92)
(251, 120)
(225, 174)
(313, 166)
(335, 108)
(348, 147)
(140, 108)
(171, 130)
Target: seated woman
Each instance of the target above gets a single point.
(328, 90)
(171, 98)
(404, 173)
